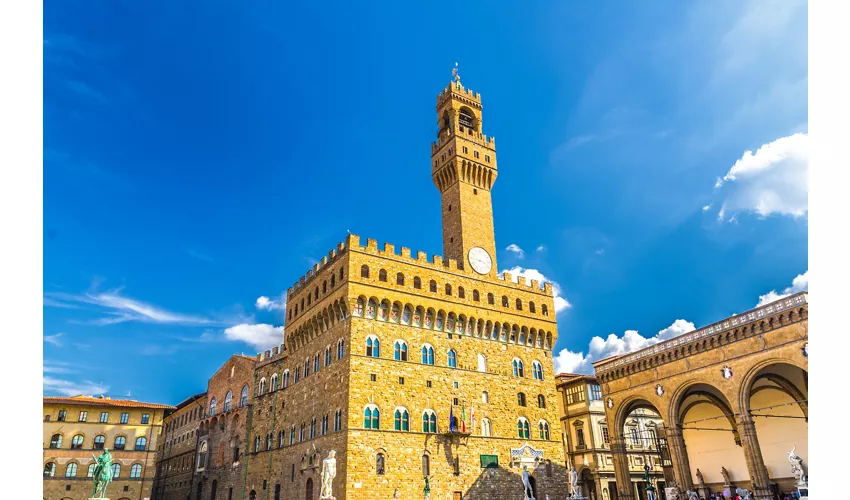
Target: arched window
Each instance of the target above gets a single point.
(77, 442)
(333, 280)
(243, 398)
(486, 427)
(328, 356)
(426, 465)
(400, 350)
(476, 296)
(518, 305)
(371, 309)
(522, 428)
(485, 397)
(257, 444)
(340, 349)
(202, 455)
(141, 443)
(537, 370)
(136, 471)
(273, 385)
(518, 368)
(56, 441)
(99, 441)
(544, 309)
(373, 347)
(448, 289)
(504, 301)
(49, 469)
(543, 427)
(401, 420)
(541, 401)
(433, 286)
(228, 398)
(262, 386)
(520, 398)
(429, 421)
(399, 279)
(71, 470)
(212, 406)
(406, 315)
(491, 299)
(116, 471)
(358, 307)
(120, 443)
(531, 307)
(324, 287)
(461, 293)
(371, 417)
(285, 379)
(364, 271)
(90, 472)
(451, 359)
(417, 283)
(482, 363)
(383, 311)
(427, 355)
(379, 464)
(382, 275)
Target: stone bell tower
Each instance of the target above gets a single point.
(463, 167)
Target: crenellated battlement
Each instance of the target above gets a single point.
(437, 263)
(271, 355)
(332, 257)
(447, 136)
(460, 92)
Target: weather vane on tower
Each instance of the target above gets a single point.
(455, 74)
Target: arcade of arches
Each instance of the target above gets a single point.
(732, 396)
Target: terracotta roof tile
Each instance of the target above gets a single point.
(100, 401)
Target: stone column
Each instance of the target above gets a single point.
(625, 489)
(679, 457)
(755, 461)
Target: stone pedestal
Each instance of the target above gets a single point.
(803, 490)
(704, 492)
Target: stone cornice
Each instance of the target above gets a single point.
(779, 313)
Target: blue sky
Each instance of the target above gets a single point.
(201, 155)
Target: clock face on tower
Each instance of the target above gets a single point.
(480, 260)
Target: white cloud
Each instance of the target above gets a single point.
(261, 336)
(533, 274)
(53, 339)
(706, 208)
(576, 362)
(71, 388)
(516, 249)
(773, 180)
(799, 284)
(266, 304)
(121, 309)
(541, 248)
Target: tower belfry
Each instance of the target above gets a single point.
(463, 167)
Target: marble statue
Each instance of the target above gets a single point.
(528, 493)
(328, 475)
(744, 494)
(395, 494)
(102, 474)
(796, 466)
(692, 495)
(700, 479)
(573, 475)
(725, 474)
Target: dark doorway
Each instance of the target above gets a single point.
(612, 490)
(200, 490)
(533, 483)
(309, 493)
(252, 495)
(213, 489)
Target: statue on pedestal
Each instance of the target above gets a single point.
(528, 493)
(692, 495)
(102, 474)
(573, 476)
(396, 494)
(700, 479)
(797, 466)
(328, 475)
(725, 474)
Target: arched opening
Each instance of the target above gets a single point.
(776, 396)
(711, 437)
(533, 483)
(637, 428)
(308, 495)
(587, 483)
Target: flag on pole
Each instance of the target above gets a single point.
(452, 419)
(472, 417)
(463, 417)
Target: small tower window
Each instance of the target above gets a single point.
(491, 299)
(364, 271)
(475, 296)
(448, 289)
(475, 153)
(399, 279)
(466, 118)
(417, 283)
(382, 275)
(433, 286)
(461, 293)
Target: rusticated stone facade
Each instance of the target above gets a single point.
(176, 459)
(383, 346)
